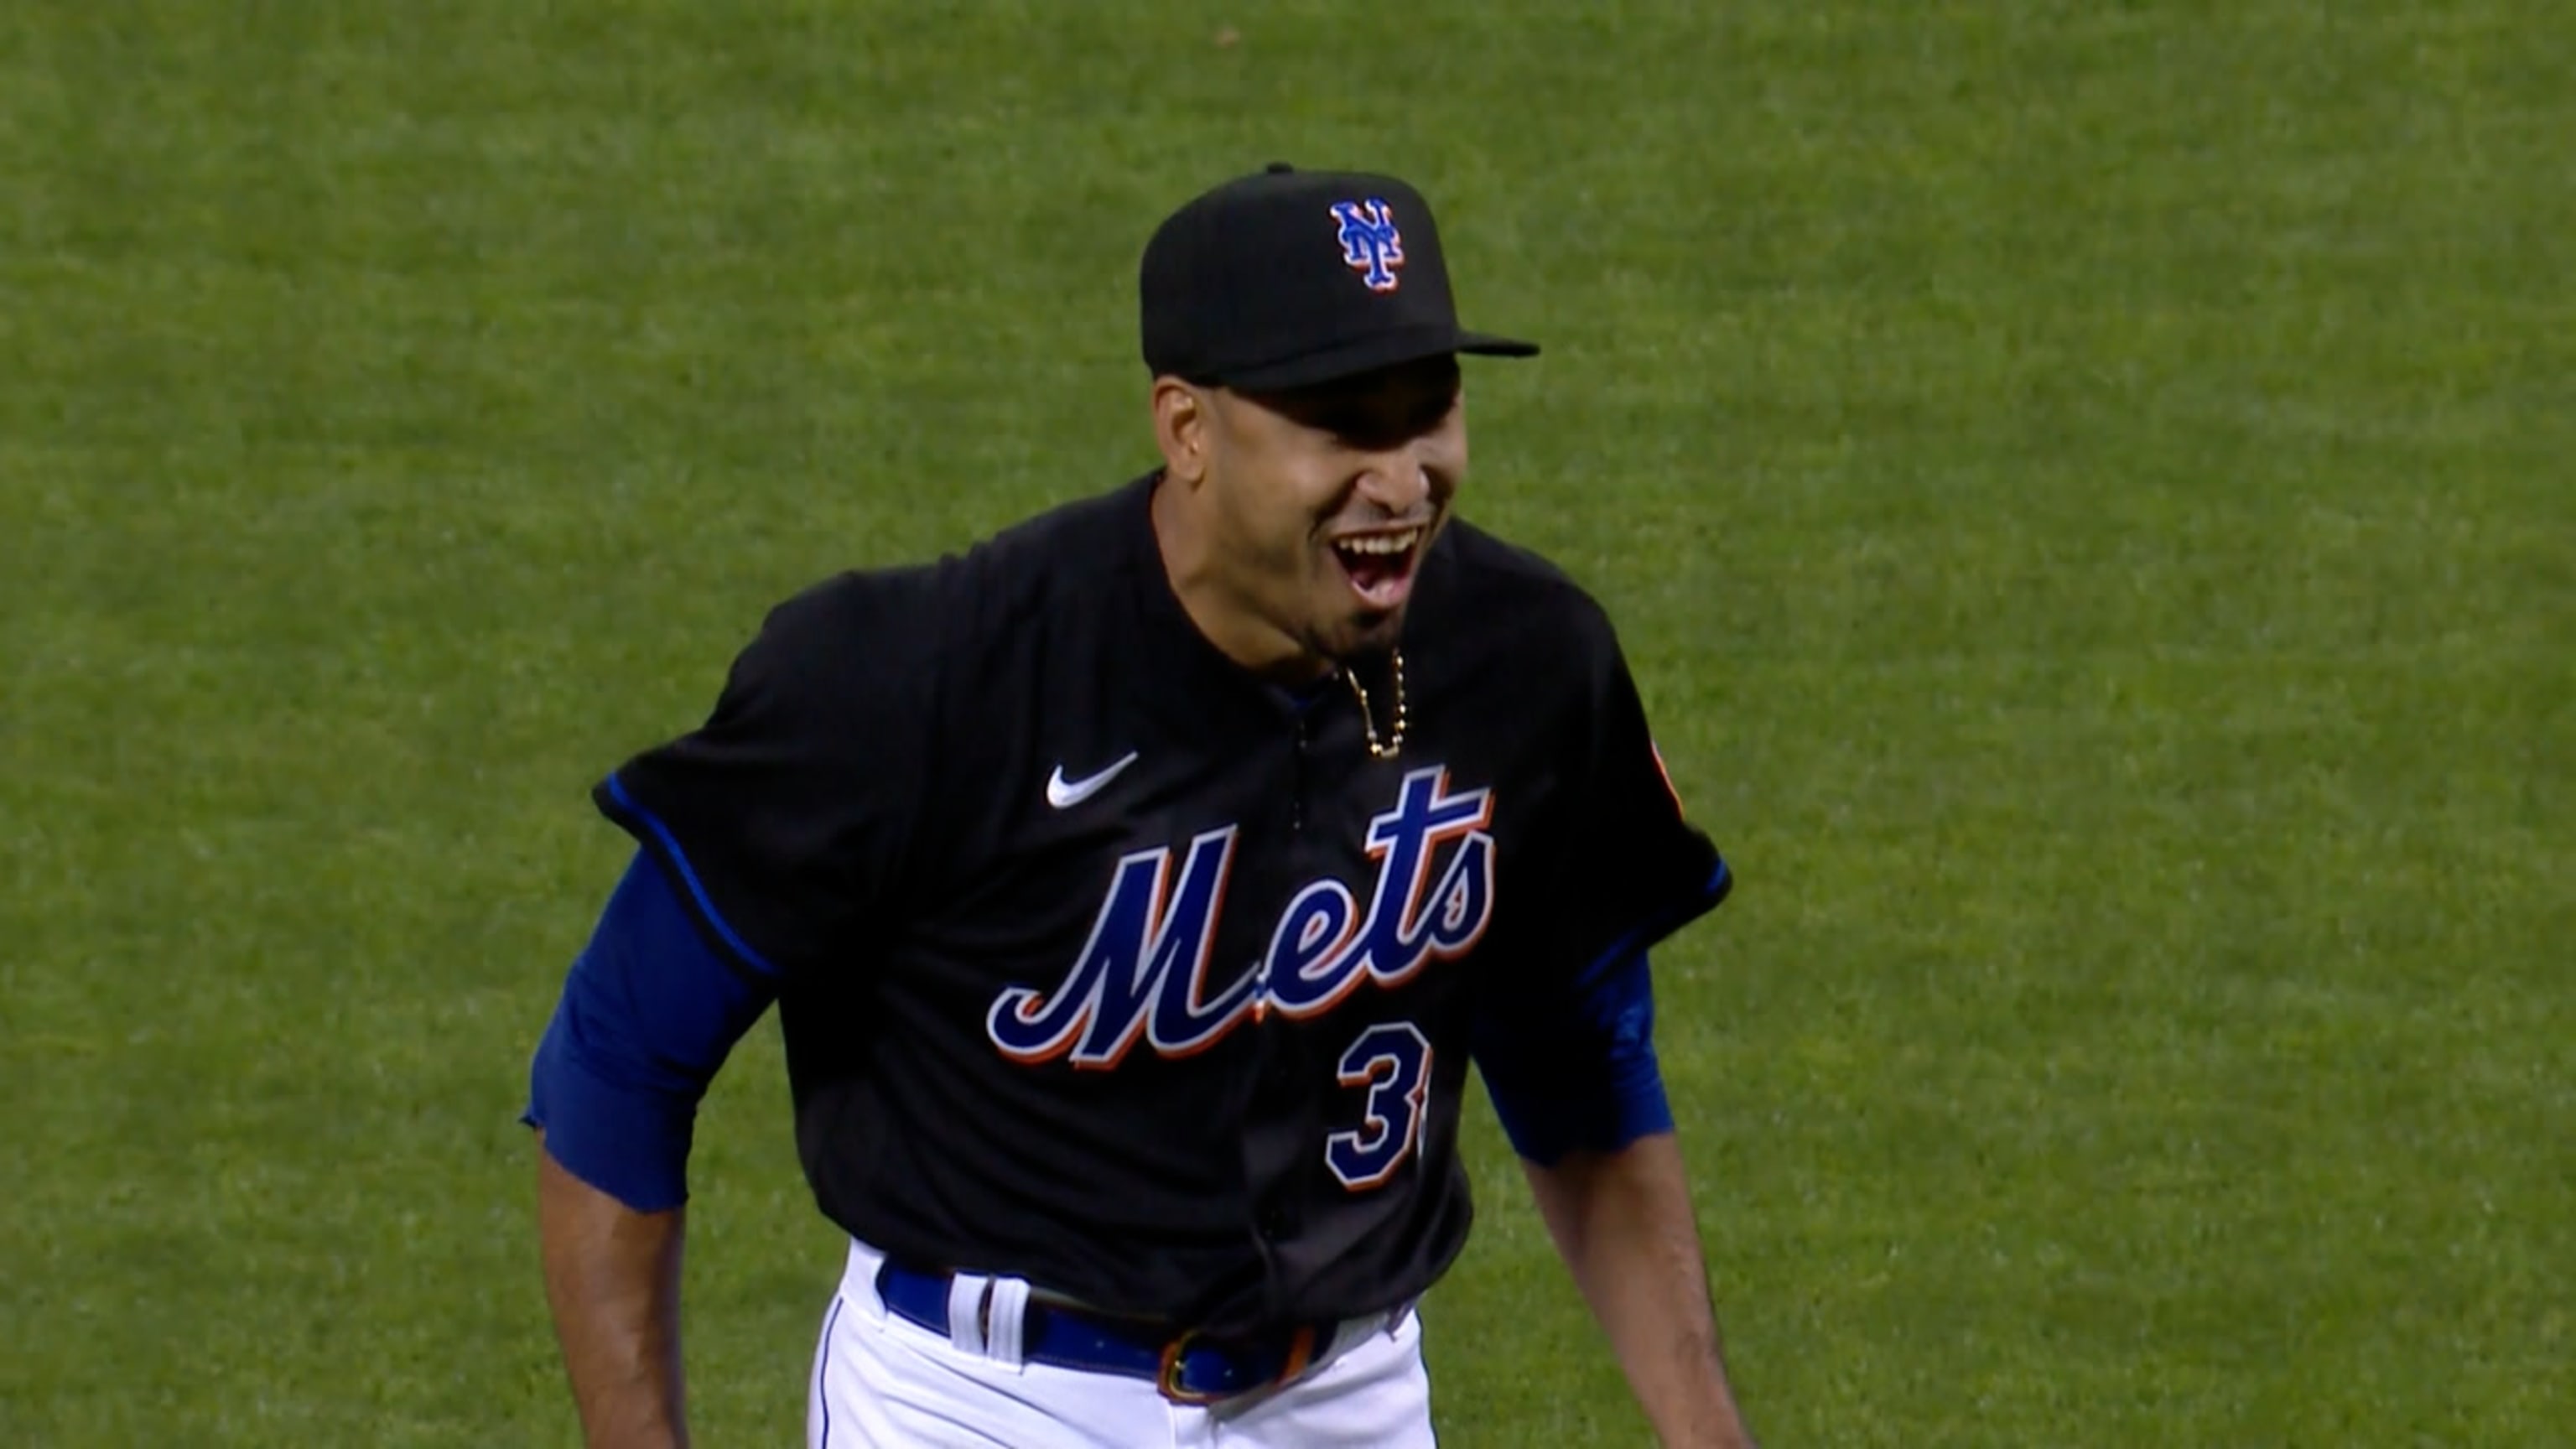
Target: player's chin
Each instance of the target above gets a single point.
(1364, 632)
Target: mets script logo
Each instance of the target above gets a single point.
(1144, 972)
(1371, 246)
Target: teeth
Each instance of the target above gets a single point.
(1386, 543)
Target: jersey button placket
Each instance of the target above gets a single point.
(1297, 780)
(1281, 1144)
(1274, 1222)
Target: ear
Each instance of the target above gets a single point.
(1181, 421)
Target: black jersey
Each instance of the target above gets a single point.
(1108, 965)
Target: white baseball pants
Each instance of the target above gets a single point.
(884, 1382)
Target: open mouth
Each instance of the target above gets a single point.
(1380, 565)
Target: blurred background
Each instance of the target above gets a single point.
(2085, 488)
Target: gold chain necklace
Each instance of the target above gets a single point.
(1381, 749)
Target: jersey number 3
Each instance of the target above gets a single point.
(1392, 1060)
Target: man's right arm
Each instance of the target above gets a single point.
(613, 1283)
(649, 1013)
(768, 840)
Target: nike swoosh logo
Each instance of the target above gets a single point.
(1064, 794)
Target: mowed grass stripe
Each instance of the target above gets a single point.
(2081, 489)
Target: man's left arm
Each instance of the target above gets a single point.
(1564, 1038)
(1577, 1087)
(1622, 1221)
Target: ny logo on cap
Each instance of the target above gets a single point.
(1371, 246)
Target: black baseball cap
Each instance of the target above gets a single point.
(1290, 278)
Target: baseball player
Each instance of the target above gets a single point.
(1135, 890)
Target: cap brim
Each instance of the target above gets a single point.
(1368, 354)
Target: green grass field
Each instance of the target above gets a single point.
(2087, 490)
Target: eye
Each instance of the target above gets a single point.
(1384, 423)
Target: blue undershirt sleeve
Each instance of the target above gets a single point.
(648, 1014)
(1578, 1075)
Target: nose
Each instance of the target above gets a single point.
(1398, 481)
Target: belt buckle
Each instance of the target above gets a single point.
(1300, 1356)
(1168, 1377)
